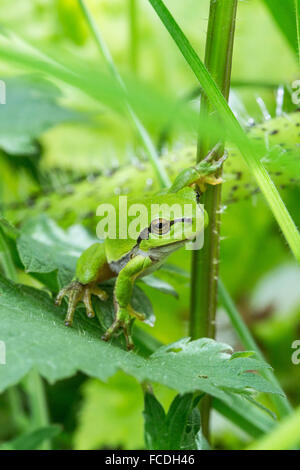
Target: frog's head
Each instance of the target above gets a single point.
(164, 222)
(174, 220)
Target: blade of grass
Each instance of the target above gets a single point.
(283, 437)
(89, 79)
(283, 13)
(247, 149)
(281, 403)
(144, 135)
(245, 415)
(297, 13)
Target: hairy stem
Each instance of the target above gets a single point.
(205, 263)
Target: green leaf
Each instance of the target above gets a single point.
(282, 405)
(183, 422)
(179, 429)
(31, 108)
(154, 414)
(159, 284)
(179, 273)
(8, 228)
(44, 247)
(31, 440)
(284, 15)
(35, 337)
(201, 442)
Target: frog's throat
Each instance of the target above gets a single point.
(156, 254)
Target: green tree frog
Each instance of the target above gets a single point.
(160, 232)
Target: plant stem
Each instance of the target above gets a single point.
(19, 416)
(144, 135)
(205, 263)
(38, 405)
(133, 35)
(281, 403)
(247, 149)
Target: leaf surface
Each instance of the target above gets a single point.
(34, 335)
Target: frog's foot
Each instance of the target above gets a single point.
(203, 181)
(124, 320)
(203, 174)
(77, 292)
(207, 169)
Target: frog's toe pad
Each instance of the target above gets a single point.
(77, 292)
(101, 294)
(123, 322)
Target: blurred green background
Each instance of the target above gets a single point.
(256, 265)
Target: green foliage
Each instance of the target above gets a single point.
(31, 440)
(35, 336)
(214, 95)
(110, 415)
(284, 437)
(179, 429)
(51, 138)
(44, 247)
(277, 137)
(297, 12)
(284, 15)
(31, 108)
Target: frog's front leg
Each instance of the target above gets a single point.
(201, 174)
(125, 314)
(91, 268)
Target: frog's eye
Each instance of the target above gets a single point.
(160, 226)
